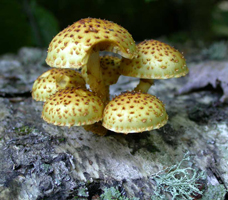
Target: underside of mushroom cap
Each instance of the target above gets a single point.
(110, 69)
(133, 112)
(109, 66)
(155, 60)
(73, 107)
(54, 79)
(72, 46)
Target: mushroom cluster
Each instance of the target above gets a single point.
(80, 96)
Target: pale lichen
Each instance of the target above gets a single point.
(178, 182)
(216, 51)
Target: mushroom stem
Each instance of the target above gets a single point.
(95, 79)
(144, 85)
(96, 128)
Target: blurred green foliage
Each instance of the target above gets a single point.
(45, 24)
(220, 19)
(15, 30)
(25, 23)
(36, 22)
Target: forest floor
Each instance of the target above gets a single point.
(188, 157)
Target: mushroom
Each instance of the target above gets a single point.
(132, 112)
(79, 45)
(155, 60)
(54, 79)
(73, 107)
(109, 66)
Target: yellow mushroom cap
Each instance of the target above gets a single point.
(133, 112)
(109, 66)
(54, 79)
(73, 107)
(72, 46)
(155, 60)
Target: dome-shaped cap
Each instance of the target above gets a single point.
(133, 112)
(54, 79)
(155, 60)
(72, 46)
(73, 107)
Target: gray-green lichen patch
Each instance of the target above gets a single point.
(216, 51)
(5, 110)
(179, 181)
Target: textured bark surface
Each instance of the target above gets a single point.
(212, 73)
(43, 161)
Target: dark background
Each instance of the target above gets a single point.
(36, 22)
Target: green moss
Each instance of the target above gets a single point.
(61, 139)
(82, 193)
(23, 130)
(113, 193)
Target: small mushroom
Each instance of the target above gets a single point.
(133, 112)
(73, 107)
(155, 60)
(54, 79)
(109, 66)
(110, 69)
(79, 45)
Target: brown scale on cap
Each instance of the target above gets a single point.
(54, 79)
(71, 47)
(133, 112)
(79, 45)
(155, 60)
(73, 107)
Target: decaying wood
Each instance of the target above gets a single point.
(43, 161)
